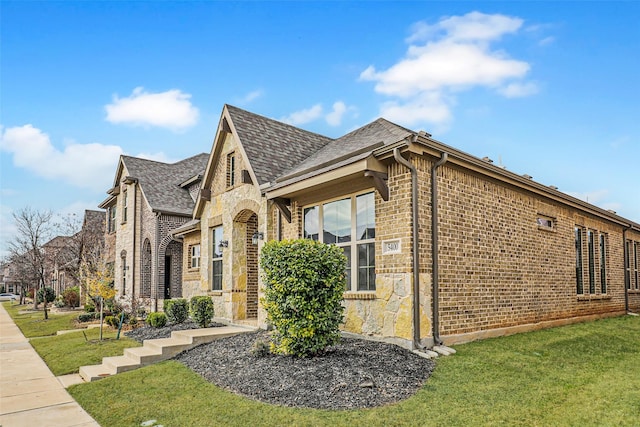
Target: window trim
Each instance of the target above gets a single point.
(216, 259)
(193, 257)
(111, 220)
(125, 205)
(353, 244)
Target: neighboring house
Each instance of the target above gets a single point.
(61, 263)
(63, 253)
(9, 280)
(441, 245)
(148, 199)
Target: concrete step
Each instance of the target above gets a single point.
(96, 372)
(121, 363)
(156, 350)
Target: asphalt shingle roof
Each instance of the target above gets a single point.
(273, 147)
(160, 182)
(379, 131)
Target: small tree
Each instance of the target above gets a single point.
(304, 285)
(98, 280)
(46, 295)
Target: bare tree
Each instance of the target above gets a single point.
(34, 229)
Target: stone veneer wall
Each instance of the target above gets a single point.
(231, 208)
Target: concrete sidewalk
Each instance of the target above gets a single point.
(30, 395)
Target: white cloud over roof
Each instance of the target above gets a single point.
(171, 109)
(446, 58)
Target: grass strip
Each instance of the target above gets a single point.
(33, 324)
(64, 354)
(586, 374)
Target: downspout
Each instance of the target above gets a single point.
(155, 270)
(133, 261)
(416, 258)
(435, 266)
(626, 266)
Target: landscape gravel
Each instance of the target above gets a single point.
(355, 373)
(352, 374)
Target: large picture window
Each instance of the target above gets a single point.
(216, 259)
(350, 224)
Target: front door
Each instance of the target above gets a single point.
(167, 277)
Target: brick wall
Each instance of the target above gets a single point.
(498, 268)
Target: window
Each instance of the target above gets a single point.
(350, 224)
(627, 263)
(578, 241)
(111, 222)
(231, 169)
(195, 256)
(635, 264)
(216, 259)
(592, 262)
(124, 205)
(603, 264)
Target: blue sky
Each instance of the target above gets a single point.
(550, 89)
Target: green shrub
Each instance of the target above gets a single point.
(46, 294)
(157, 319)
(202, 310)
(86, 317)
(59, 302)
(177, 310)
(90, 306)
(304, 285)
(71, 296)
(112, 321)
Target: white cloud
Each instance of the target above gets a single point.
(429, 106)
(171, 109)
(303, 116)
(82, 165)
(473, 26)
(546, 41)
(339, 109)
(519, 89)
(250, 97)
(443, 59)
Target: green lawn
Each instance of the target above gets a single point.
(64, 354)
(32, 323)
(579, 375)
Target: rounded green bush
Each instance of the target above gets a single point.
(46, 294)
(177, 310)
(304, 286)
(156, 319)
(202, 310)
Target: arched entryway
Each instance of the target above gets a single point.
(245, 266)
